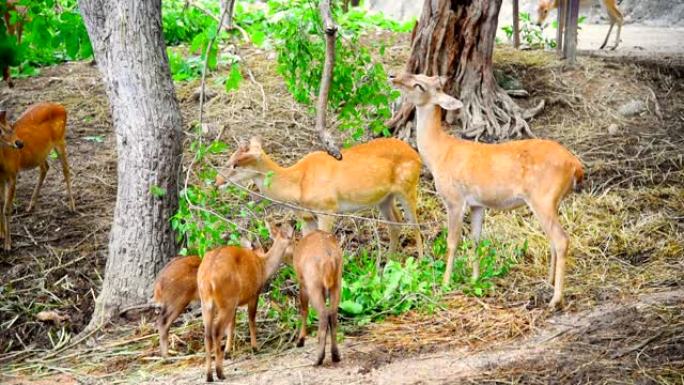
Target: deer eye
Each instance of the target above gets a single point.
(420, 87)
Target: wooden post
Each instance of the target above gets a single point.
(570, 44)
(562, 5)
(516, 24)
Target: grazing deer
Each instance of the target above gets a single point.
(12, 29)
(26, 144)
(229, 277)
(318, 265)
(370, 174)
(174, 289)
(616, 17)
(539, 173)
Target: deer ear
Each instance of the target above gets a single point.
(243, 145)
(245, 243)
(448, 102)
(287, 230)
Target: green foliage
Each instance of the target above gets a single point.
(532, 35)
(360, 94)
(53, 32)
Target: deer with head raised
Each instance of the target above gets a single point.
(233, 276)
(544, 7)
(538, 173)
(372, 174)
(26, 144)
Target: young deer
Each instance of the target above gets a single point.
(25, 145)
(318, 264)
(12, 29)
(230, 277)
(545, 6)
(174, 289)
(539, 173)
(369, 175)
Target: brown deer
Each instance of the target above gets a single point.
(229, 277)
(174, 289)
(616, 17)
(318, 265)
(26, 144)
(372, 174)
(539, 173)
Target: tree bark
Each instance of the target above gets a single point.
(456, 39)
(227, 7)
(330, 30)
(129, 47)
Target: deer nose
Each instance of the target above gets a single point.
(19, 144)
(392, 76)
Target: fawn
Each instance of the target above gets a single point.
(539, 173)
(318, 265)
(26, 144)
(370, 174)
(229, 277)
(616, 17)
(174, 289)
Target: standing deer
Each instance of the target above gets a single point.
(539, 173)
(229, 277)
(12, 29)
(318, 265)
(545, 6)
(174, 289)
(26, 144)
(372, 174)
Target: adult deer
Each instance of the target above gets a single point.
(372, 174)
(13, 28)
(616, 17)
(229, 277)
(539, 173)
(26, 145)
(318, 265)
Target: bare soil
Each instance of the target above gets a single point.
(625, 227)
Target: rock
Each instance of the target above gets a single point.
(631, 108)
(613, 129)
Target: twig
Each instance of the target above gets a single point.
(244, 33)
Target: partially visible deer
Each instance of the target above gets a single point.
(539, 173)
(229, 277)
(372, 174)
(174, 289)
(318, 265)
(26, 144)
(15, 28)
(616, 17)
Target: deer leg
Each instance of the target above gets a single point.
(304, 314)
(62, 154)
(409, 204)
(389, 212)
(208, 319)
(251, 312)
(231, 332)
(607, 36)
(7, 210)
(223, 318)
(332, 322)
(317, 299)
(617, 38)
(548, 217)
(7, 77)
(455, 219)
(44, 167)
(476, 219)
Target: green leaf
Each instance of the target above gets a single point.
(157, 191)
(351, 307)
(234, 78)
(268, 178)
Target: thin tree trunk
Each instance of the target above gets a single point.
(456, 39)
(516, 24)
(321, 107)
(129, 47)
(227, 6)
(570, 48)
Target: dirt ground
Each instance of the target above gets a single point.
(625, 227)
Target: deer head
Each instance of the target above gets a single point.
(424, 90)
(7, 135)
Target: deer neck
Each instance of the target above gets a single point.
(284, 184)
(271, 260)
(431, 139)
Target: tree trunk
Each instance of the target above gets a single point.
(227, 6)
(129, 47)
(456, 38)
